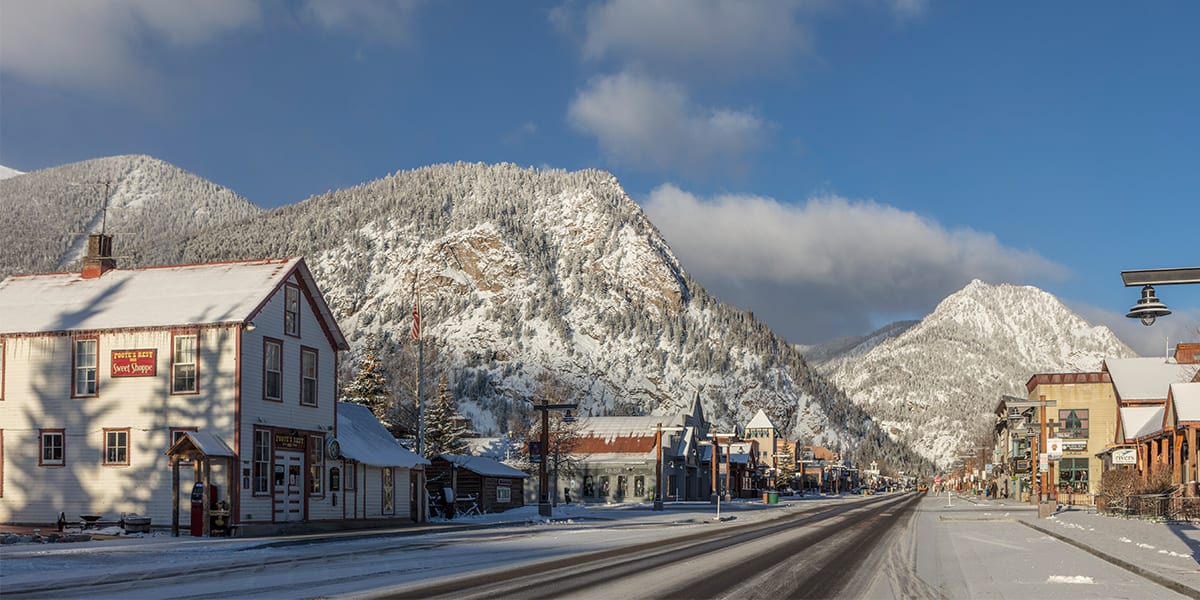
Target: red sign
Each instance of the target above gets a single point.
(134, 363)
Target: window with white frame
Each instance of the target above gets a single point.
(348, 477)
(503, 495)
(116, 447)
(272, 370)
(52, 448)
(184, 355)
(291, 310)
(85, 358)
(262, 461)
(308, 377)
(316, 465)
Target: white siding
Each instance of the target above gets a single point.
(38, 396)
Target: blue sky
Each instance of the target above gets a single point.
(831, 166)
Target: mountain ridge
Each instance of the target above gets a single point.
(521, 273)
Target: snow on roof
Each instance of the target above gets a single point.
(1146, 378)
(1186, 397)
(760, 421)
(1140, 421)
(207, 443)
(151, 297)
(610, 428)
(483, 466)
(622, 458)
(362, 438)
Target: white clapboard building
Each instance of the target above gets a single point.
(229, 370)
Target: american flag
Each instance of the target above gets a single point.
(416, 325)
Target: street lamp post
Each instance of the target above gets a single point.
(544, 506)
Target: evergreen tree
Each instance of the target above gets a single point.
(369, 388)
(443, 433)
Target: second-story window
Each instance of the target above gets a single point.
(183, 363)
(272, 370)
(85, 367)
(291, 310)
(308, 377)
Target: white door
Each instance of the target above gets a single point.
(289, 486)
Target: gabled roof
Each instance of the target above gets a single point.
(1185, 399)
(614, 427)
(362, 438)
(483, 466)
(1143, 379)
(1141, 421)
(761, 421)
(203, 294)
(194, 443)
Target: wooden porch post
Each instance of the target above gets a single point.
(1176, 457)
(174, 496)
(1191, 457)
(207, 494)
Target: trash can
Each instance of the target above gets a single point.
(770, 497)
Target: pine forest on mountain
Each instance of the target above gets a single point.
(521, 274)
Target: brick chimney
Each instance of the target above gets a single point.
(99, 259)
(1187, 353)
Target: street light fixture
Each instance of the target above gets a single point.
(544, 508)
(1148, 307)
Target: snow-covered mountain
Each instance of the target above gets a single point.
(6, 172)
(936, 383)
(47, 214)
(521, 273)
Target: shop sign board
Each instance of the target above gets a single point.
(1054, 448)
(134, 363)
(1124, 456)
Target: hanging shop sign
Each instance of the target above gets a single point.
(1124, 456)
(134, 363)
(1074, 445)
(1054, 448)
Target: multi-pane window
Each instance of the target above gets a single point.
(272, 370)
(262, 460)
(183, 363)
(116, 446)
(52, 447)
(308, 377)
(1073, 423)
(291, 310)
(316, 464)
(85, 367)
(1073, 473)
(348, 477)
(503, 495)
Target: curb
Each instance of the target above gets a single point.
(1166, 582)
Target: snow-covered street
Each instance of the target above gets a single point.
(941, 549)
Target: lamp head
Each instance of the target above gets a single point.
(1148, 308)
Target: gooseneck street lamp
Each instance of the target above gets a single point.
(1148, 307)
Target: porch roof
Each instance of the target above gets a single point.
(1141, 421)
(1186, 398)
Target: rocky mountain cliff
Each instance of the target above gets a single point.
(935, 384)
(520, 273)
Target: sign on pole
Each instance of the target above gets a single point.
(1054, 448)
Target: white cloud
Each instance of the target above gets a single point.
(98, 45)
(381, 21)
(703, 38)
(648, 123)
(830, 266)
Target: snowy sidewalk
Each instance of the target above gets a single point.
(1165, 552)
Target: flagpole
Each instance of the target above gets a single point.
(416, 334)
